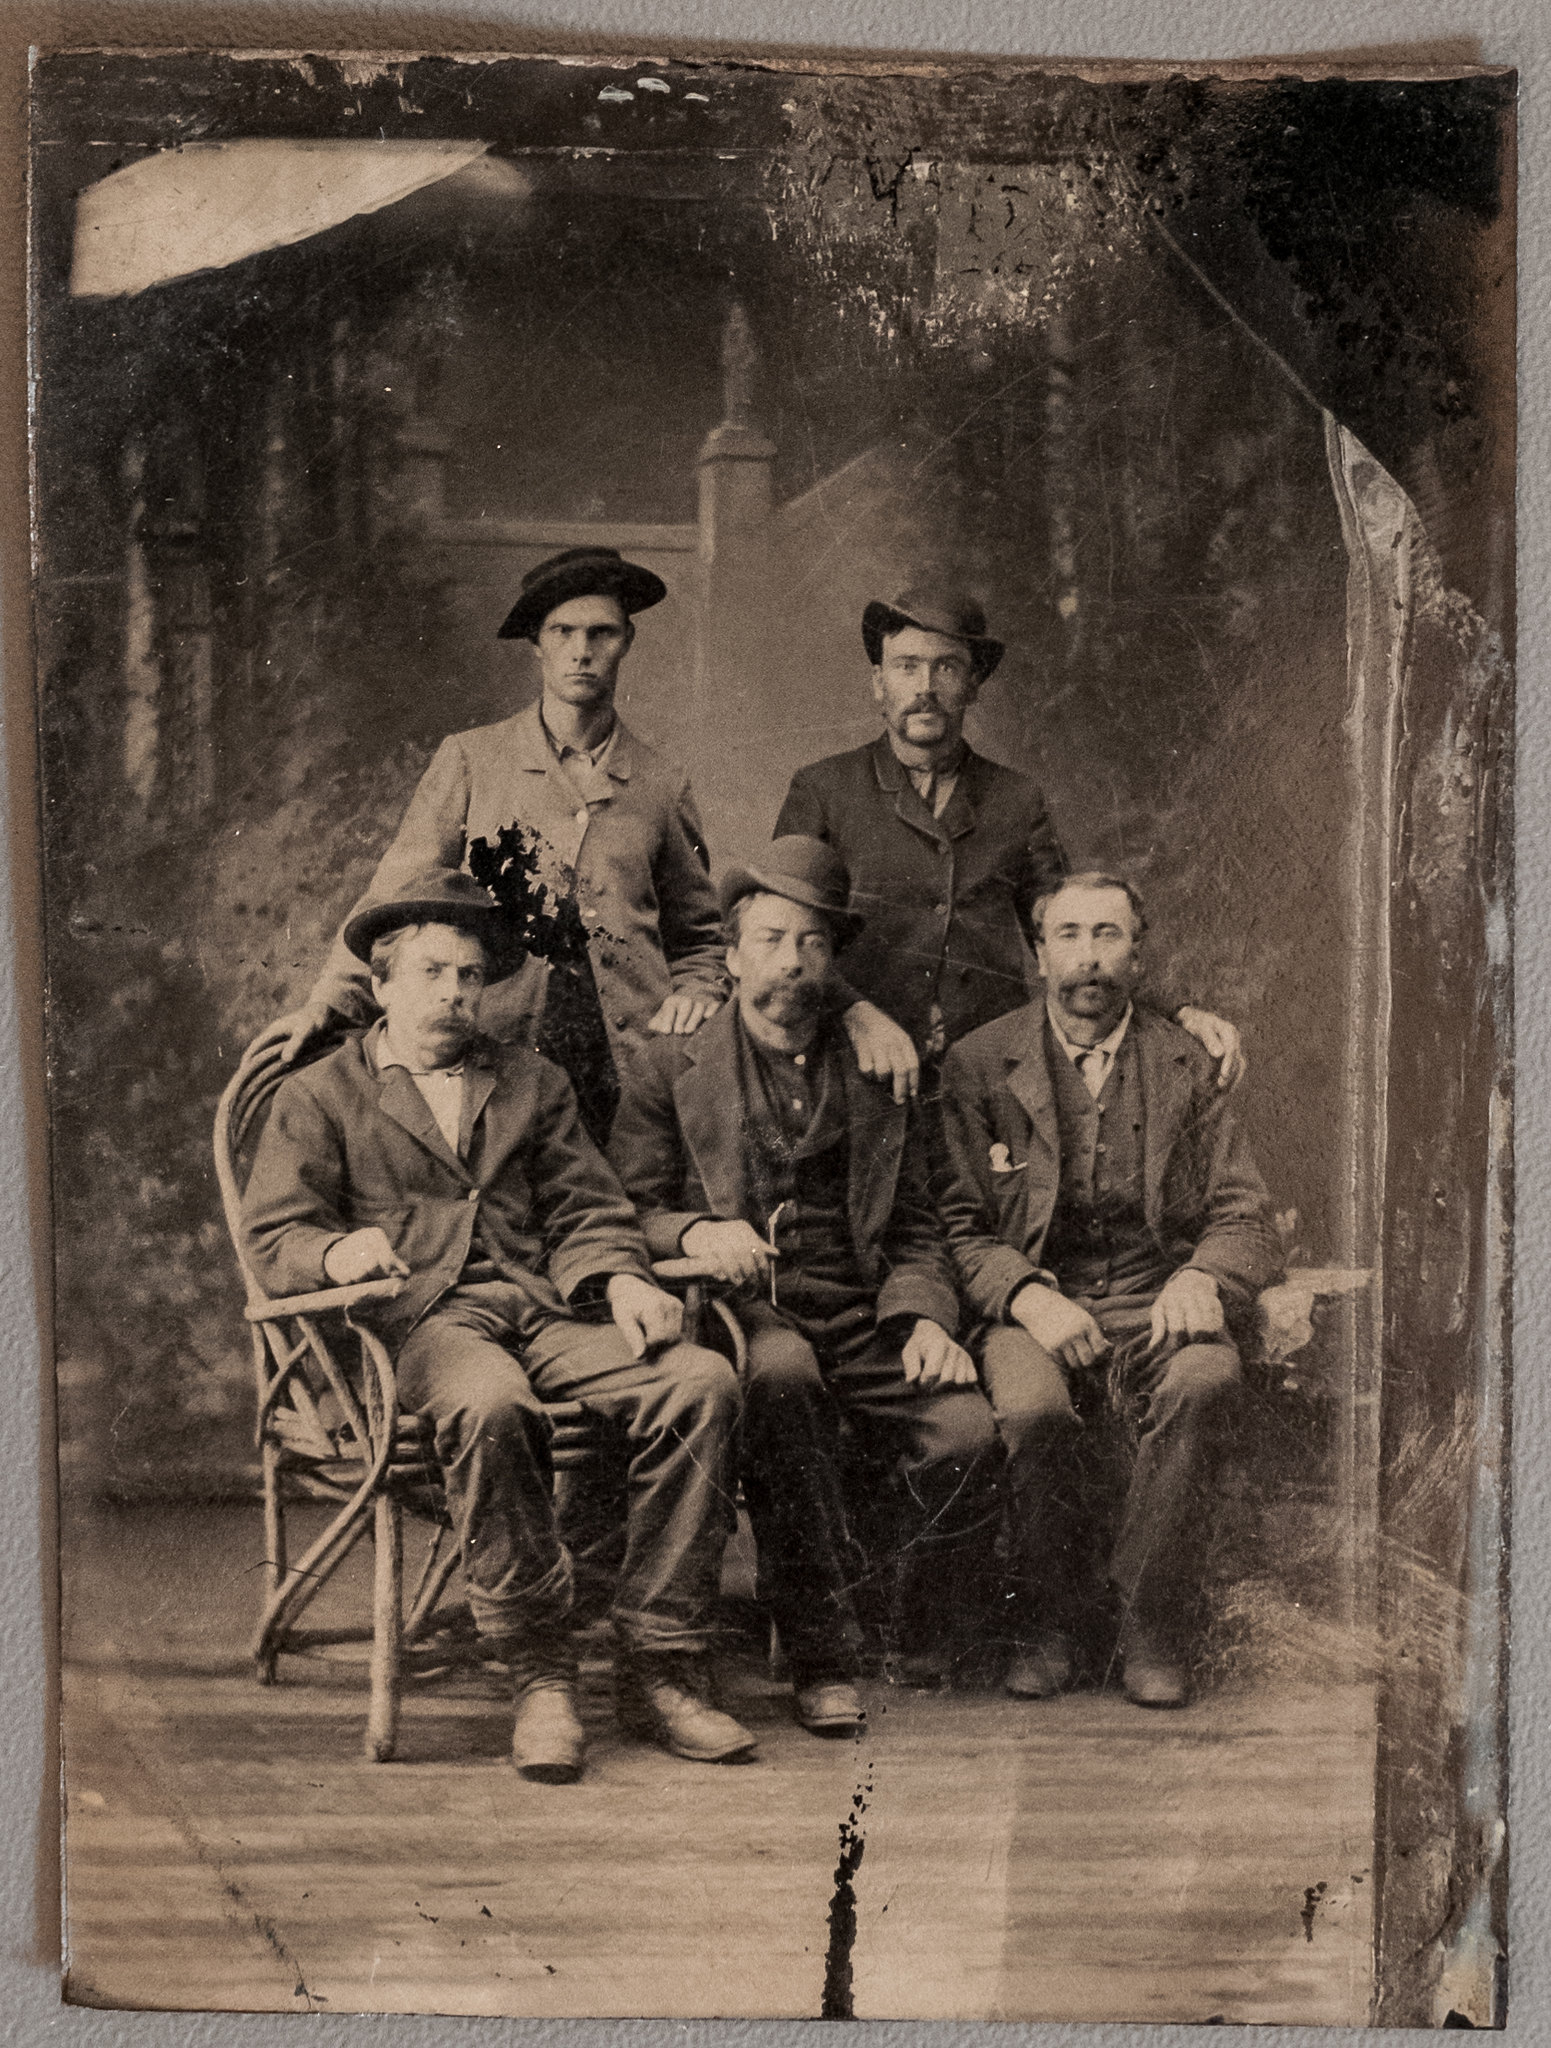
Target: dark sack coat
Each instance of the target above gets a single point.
(946, 899)
(679, 1149)
(346, 1147)
(1203, 1196)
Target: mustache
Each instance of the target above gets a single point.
(1076, 981)
(805, 996)
(921, 704)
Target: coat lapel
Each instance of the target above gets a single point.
(1029, 1082)
(478, 1085)
(908, 807)
(876, 1123)
(399, 1098)
(706, 1095)
(1165, 1102)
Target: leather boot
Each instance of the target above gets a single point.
(669, 1699)
(548, 1740)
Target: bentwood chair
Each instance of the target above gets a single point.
(329, 1429)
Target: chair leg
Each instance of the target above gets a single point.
(387, 1631)
(274, 1549)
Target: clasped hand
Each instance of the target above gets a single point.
(363, 1255)
(648, 1318)
(731, 1252)
(932, 1359)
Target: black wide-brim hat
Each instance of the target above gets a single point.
(580, 572)
(934, 608)
(442, 896)
(804, 870)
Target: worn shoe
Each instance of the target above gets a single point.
(1153, 1672)
(548, 1740)
(830, 1706)
(667, 1699)
(1041, 1669)
(922, 1670)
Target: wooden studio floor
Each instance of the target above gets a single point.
(228, 1847)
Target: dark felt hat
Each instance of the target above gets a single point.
(804, 870)
(579, 572)
(441, 896)
(934, 608)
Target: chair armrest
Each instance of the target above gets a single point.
(330, 1297)
(1286, 1311)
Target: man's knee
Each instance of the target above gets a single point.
(1028, 1392)
(1203, 1379)
(701, 1381)
(782, 1367)
(958, 1429)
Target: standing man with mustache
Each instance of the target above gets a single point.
(1110, 1226)
(946, 849)
(758, 1148)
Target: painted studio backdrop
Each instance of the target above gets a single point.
(1204, 387)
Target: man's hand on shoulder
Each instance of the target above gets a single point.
(932, 1359)
(1221, 1039)
(648, 1318)
(884, 1051)
(363, 1255)
(1189, 1307)
(293, 1032)
(683, 1012)
(1066, 1331)
(733, 1252)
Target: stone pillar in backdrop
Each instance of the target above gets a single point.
(735, 506)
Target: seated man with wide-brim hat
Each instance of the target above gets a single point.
(758, 1148)
(425, 1152)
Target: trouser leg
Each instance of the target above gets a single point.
(942, 1447)
(1188, 1402)
(808, 1563)
(492, 1442)
(1042, 1433)
(678, 1413)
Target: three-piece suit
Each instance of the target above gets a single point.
(719, 1127)
(510, 1239)
(1103, 1199)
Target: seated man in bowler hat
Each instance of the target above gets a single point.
(758, 1148)
(946, 849)
(1110, 1229)
(422, 1151)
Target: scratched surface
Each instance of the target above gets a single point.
(1009, 1867)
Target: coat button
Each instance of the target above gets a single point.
(621, 1023)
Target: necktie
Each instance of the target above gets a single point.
(1090, 1065)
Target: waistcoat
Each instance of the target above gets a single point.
(1098, 1242)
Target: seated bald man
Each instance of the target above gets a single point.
(424, 1152)
(1109, 1225)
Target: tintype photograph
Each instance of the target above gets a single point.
(776, 853)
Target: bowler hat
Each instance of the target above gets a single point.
(441, 896)
(804, 870)
(579, 572)
(934, 608)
